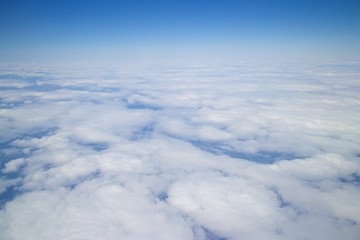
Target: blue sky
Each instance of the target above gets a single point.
(250, 28)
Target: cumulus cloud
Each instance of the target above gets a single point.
(180, 152)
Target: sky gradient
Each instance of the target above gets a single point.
(63, 29)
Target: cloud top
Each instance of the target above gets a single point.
(191, 152)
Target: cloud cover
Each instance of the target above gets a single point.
(245, 151)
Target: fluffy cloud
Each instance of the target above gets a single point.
(166, 152)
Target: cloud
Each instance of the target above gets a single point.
(13, 165)
(239, 151)
(320, 167)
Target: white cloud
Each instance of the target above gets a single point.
(14, 165)
(319, 167)
(231, 206)
(177, 152)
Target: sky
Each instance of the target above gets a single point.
(247, 29)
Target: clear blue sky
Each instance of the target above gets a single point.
(99, 28)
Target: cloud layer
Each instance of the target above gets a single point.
(245, 151)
